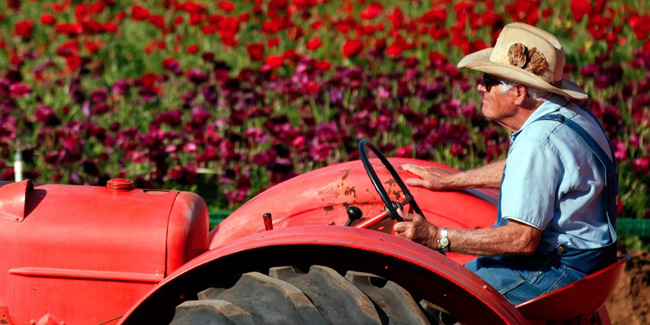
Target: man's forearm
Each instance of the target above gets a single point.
(485, 176)
(513, 239)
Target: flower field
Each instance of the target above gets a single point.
(226, 98)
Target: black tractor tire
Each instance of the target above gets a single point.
(288, 295)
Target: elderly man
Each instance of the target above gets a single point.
(558, 185)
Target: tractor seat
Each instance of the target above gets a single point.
(582, 297)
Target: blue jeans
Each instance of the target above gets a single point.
(521, 278)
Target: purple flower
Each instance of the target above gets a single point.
(196, 76)
(265, 157)
(120, 87)
(640, 165)
(210, 94)
(172, 65)
(99, 95)
(46, 115)
(18, 90)
(256, 135)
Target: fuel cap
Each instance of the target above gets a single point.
(120, 184)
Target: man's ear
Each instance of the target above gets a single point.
(522, 92)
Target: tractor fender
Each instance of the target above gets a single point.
(321, 197)
(425, 273)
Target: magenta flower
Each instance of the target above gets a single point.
(18, 90)
(640, 165)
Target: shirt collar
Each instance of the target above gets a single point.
(553, 104)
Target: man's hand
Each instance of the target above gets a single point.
(433, 178)
(416, 228)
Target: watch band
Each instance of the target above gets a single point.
(443, 240)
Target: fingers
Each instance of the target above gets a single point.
(415, 169)
(407, 216)
(418, 182)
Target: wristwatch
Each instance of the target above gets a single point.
(443, 240)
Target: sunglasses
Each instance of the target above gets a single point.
(489, 81)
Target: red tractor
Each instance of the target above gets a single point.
(315, 249)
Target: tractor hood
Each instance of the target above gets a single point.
(100, 247)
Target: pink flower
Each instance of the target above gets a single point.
(640, 165)
(405, 152)
(19, 90)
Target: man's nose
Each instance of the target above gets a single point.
(481, 88)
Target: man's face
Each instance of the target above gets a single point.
(497, 106)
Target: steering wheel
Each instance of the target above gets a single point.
(380, 188)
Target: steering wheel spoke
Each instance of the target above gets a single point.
(377, 183)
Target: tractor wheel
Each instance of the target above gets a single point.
(320, 296)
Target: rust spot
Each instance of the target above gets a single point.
(346, 175)
(328, 208)
(390, 182)
(350, 191)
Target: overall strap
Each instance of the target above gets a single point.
(611, 168)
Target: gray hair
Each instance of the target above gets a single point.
(535, 94)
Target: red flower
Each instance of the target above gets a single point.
(92, 46)
(139, 13)
(322, 65)
(70, 29)
(24, 28)
(229, 26)
(640, 25)
(148, 80)
(436, 58)
(192, 49)
(274, 61)
(314, 44)
(273, 42)
(157, 21)
(477, 45)
(48, 19)
(397, 18)
(195, 19)
(316, 25)
(436, 16)
(372, 11)
(110, 27)
(73, 62)
(352, 47)
(580, 9)
(312, 87)
(192, 7)
(272, 26)
(255, 51)
(209, 29)
(394, 49)
(345, 25)
(226, 6)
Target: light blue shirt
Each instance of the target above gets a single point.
(553, 182)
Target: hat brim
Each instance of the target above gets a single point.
(480, 61)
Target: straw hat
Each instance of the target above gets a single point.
(526, 55)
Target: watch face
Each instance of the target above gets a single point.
(444, 242)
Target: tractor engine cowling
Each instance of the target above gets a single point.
(82, 254)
